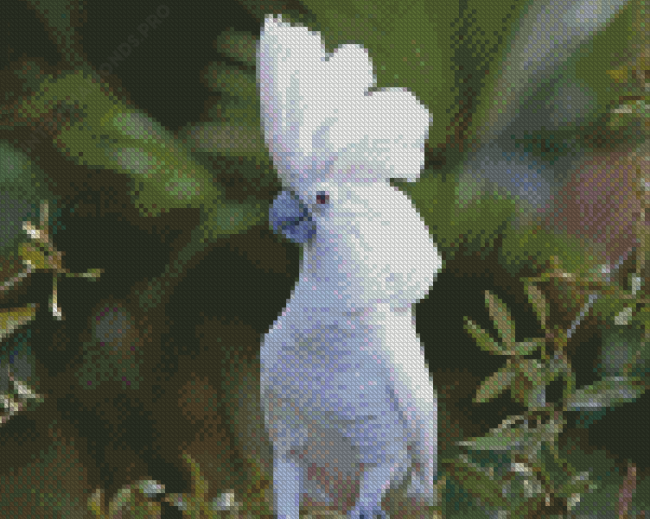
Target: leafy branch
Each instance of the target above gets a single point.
(527, 379)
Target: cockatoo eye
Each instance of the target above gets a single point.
(322, 197)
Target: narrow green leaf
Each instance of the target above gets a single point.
(532, 377)
(526, 347)
(495, 384)
(199, 483)
(513, 434)
(501, 316)
(606, 393)
(537, 299)
(497, 440)
(483, 339)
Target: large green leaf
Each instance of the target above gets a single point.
(103, 132)
(232, 218)
(553, 48)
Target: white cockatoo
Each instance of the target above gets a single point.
(348, 400)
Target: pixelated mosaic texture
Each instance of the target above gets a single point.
(140, 270)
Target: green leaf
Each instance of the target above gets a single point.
(137, 125)
(233, 218)
(238, 45)
(23, 186)
(497, 440)
(477, 482)
(501, 316)
(221, 77)
(31, 75)
(526, 347)
(575, 486)
(20, 175)
(520, 69)
(624, 351)
(482, 338)
(517, 438)
(529, 387)
(606, 393)
(493, 386)
(641, 321)
(538, 300)
(232, 109)
(608, 306)
(108, 134)
(225, 139)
